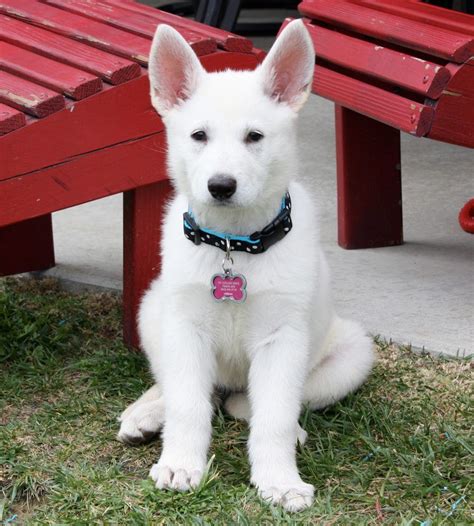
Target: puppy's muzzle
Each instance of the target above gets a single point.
(222, 187)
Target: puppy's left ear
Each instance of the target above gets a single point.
(287, 71)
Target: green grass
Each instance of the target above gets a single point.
(396, 452)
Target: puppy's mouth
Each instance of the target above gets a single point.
(222, 204)
(230, 202)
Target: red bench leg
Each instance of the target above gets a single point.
(143, 210)
(27, 246)
(369, 190)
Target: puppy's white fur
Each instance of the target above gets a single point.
(284, 346)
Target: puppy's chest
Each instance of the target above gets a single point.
(231, 328)
(228, 323)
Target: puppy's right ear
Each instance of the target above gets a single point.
(173, 68)
(287, 70)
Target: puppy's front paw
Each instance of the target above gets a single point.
(175, 478)
(293, 497)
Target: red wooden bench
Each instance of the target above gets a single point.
(76, 125)
(389, 65)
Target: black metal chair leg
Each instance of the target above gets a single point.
(200, 10)
(212, 13)
(231, 14)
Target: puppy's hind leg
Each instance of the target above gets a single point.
(238, 406)
(143, 419)
(348, 359)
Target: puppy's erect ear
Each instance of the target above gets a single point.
(173, 68)
(287, 71)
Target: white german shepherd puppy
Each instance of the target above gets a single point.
(232, 158)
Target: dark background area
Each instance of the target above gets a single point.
(257, 17)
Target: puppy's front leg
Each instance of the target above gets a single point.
(276, 380)
(186, 373)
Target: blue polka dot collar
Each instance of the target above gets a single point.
(255, 243)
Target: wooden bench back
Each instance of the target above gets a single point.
(402, 62)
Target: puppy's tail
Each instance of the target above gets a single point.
(348, 357)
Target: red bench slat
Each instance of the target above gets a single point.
(454, 111)
(435, 41)
(109, 67)
(79, 28)
(421, 12)
(29, 97)
(10, 119)
(453, 120)
(73, 82)
(385, 64)
(133, 22)
(83, 178)
(224, 39)
(372, 101)
(462, 81)
(112, 116)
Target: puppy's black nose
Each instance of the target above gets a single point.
(222, 187)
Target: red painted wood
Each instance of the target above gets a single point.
(112, 116)
(222, 60)
(454, 112)
(28, 97)
(374, 102)
(79, 28)
(369, 199)
(259, 53)
(83, 178)
(143, 209)
(27, 246)
(400, 69)
(133, 22)
(462, 78)
(10, 119)
(421, 12)
(111, 68)
(73, 82)
(224, 39)
(436, 41)
(466, 217)
(454, 120)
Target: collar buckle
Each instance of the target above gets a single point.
(196, 239)
(271, 233)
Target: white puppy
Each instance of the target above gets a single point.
(232, 157)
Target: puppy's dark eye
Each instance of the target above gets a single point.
(199, 135)
(254, 136)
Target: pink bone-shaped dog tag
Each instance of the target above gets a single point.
(229, 287)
